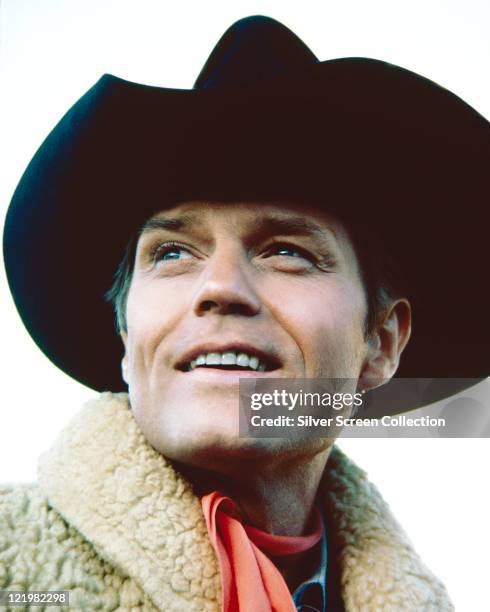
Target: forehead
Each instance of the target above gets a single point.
(244, 217)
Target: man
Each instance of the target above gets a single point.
(256, 212)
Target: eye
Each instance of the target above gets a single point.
(288, 257)
(169, 252)
(288, 250)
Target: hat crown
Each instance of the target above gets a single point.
(253, 50)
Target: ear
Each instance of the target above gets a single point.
(385, 346)
(124, 361)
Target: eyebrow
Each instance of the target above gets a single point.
(290, 225)
(166, 223)
(261, 228)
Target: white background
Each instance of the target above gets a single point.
(53, 51)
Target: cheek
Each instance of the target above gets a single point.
(326, 321)
(153, 311)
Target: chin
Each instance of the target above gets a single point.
(227, 453)
(205, 435)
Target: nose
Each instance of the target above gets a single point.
(226, 286)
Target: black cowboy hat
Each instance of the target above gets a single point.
(404, 158)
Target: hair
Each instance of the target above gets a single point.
(379, 272)
(117, 295)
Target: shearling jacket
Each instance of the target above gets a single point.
(112, 521)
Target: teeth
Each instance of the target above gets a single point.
(229, 358)
(253, 363)
(243, 360)
(213, 359)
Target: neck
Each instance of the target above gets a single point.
(276, 496)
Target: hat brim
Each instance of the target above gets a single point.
(360, 137)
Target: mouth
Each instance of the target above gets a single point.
(238, 359)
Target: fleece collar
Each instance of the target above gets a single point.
(143, 517)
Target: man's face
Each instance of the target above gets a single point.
(225, 291)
